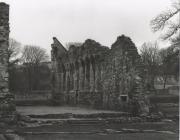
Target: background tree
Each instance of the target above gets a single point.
(14, 51)
(150, 57)
(32, 57)
(164, 71)
(169, 64)
(168, 21)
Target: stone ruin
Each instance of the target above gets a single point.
(81, 74)
(6, 98)
(77, 72)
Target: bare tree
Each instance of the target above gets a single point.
(14, 50)
(168, 21)
(165, 65)
(32, 57)
(150, 56)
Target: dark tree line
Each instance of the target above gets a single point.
(21, 81)
(28, 68)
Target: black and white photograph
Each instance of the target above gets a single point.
(89, 69)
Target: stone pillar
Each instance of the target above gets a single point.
(81, 76)
(97, 76)
(64, 81)
(61, 79)
(85, 79)
(58, 77)
(91, 78)
(77, 79)
(87, 76)
(67, 81)
(58, 82)
(74, 78)
(7, 106)
(68, 84)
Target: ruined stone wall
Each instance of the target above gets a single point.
(76, 73)
(95, 75)
(6, 99)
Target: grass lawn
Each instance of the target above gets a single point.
(132, 136)
(41, 110)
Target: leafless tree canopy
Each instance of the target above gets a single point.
(13, 50)
(150, 53)
(168, 21)
(150, 57)
(34, 54)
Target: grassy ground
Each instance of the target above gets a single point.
(137, 136)
(97, 132)
(159, 126)
(165, 104)
(37, 110)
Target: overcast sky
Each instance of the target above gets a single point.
(35, 22)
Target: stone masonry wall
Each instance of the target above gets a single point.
(94, 75)
(76, 72)
(6, 99)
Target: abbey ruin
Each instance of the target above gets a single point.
(97, 75)
(88, 74)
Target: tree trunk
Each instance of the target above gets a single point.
(165, 80)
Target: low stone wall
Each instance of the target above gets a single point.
(36, 95)
(33, 98)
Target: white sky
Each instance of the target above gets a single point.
(35, 22)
